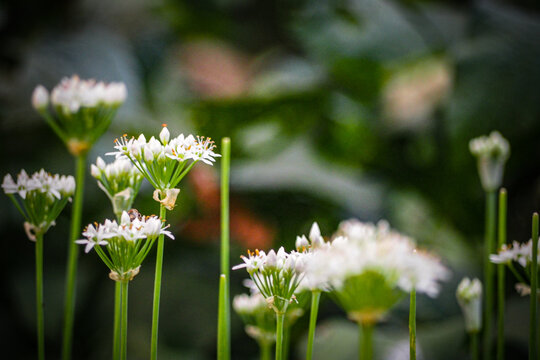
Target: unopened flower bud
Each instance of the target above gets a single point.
(40, 97)
(469, 296)
(492, 152)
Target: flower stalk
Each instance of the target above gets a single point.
(157, 288)
(224, 315)
(412, 326)
(534, 286)
(315, 298)
(366, 341)
(117, 319)
(73, 253)
(474, 345)
(39, 297)
(280, 319)
(489, 278)
(501, 274)
(123, 342)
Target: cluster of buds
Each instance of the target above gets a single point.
(520, 253)
(469, 296)
(276, 275)
(259, 318)
(83, 108)
(127, 242)
(41, 198)
(368, 267)
(165, 161)
(120, 180)
(492, 153)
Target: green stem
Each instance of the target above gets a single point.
(39, 297)
(534, 286)
(266, 350)
(412, 325)
(157, 288)
(366, 341)
(286, 340)
(279, 335)
(489, 248)
(224, 313)
(117, 319)
(315, 297)
(474, 345)
(501, 275)
(123, 342)
(223, 350)
(71, 272)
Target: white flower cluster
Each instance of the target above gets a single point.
(249, 304)
(276, 275)
(72, 94)
(130, 230)
(180, 148)
(362, 247)
(520, 253)
(494, 145)
(469, 296)
(56, 186)
(118, 172)
(492, 152)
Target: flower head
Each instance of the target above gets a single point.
(276, 275)
(83, 109)
(492, 152)
(469, 296)
(165, 161)
(119, 180)
(127, 242)
(40, 197)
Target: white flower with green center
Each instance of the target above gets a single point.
(40, 198)
(83, 109)
(492, 153)
(369, 267)
(469, 296)
(164, 161)
(119, 180)
(126, 243)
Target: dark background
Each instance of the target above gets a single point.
(336, 109)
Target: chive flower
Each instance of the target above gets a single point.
(469, 296)
(492, 153)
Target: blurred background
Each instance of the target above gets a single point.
(336, 109)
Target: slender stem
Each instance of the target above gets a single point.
(286, 340)
(315, 297)
(157, 288)
(223, 352)
(412, 325)
(474, 345)
(224, 312)
(534, 286)
(501, 275)
(279, 335)
(117, 319)
(71, 273)
(39, 297)
(366, 341)
(489, 248)
(123, 342)
(266, 350)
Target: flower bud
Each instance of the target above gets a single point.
(492, 153)
(40, 98)
(164, 135)
(469, 296)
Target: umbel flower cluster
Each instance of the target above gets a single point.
(83, 109)
(127, 242)
(119, 180)
(276, 275)
(260, 319)
(41, 198)
(165, 161)
(521, 253)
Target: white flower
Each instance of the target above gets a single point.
(492, 152)
(249, 304)
(469, 296)
(40, 97)
(164, 135)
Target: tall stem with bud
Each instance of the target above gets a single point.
(157, 288)
(500, 276)
(489, 278)
(39, 297)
